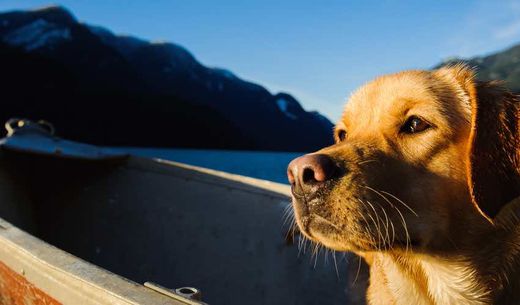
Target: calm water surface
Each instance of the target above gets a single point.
(263, 165)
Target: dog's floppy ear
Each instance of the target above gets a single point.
(494, 147)
(494, 142)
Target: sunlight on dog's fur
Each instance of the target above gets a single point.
(421, 183)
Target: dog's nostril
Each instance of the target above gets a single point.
(306, 172)
(308, 176)
(290, 176)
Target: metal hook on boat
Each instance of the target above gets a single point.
(12, 124)
(190, 295)
(15, 123)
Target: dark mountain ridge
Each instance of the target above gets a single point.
(503, 65)
(106, 89)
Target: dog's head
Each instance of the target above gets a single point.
(422, 159)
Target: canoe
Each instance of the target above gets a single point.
(81, 224)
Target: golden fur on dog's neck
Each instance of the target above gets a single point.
(489, 275)
(422, 279)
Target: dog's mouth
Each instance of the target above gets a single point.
(315, 225)
(321, 230)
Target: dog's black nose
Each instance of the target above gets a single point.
(307, 172)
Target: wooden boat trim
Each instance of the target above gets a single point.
(68, 279)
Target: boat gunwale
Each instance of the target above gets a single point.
(67, 278)
(210, 176)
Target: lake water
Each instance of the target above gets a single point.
(263, 165)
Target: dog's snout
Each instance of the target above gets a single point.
(310, 170)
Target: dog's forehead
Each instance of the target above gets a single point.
(389, 94)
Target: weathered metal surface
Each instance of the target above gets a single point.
(16, 290)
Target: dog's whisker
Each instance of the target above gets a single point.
(367, 161)
(294, 227)
(372, 233)
(328, 222)
(343, 257)
(291, 220)
(402, 202)
(386, 225)
(315, 253)
(325, 256)
(287, 210)
(365, 221)
(379, 194)
(287, 218)
(405, 227)
(333, 252)
(301, 243)
(393, 232)
(380, 235)
(381, 225)
(286, 215)
(358, 270)
(292, 230)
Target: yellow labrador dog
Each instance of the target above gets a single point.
(423, 183)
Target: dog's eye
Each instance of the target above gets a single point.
(414, 125)
(341, 135)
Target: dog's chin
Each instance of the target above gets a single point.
(320, 230)
(325, 232)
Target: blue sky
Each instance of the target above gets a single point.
(319, 51)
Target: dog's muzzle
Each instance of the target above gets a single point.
(309, 173)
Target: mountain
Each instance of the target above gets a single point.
(106, 89)
(504, 65)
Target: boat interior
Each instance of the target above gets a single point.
(172, 224)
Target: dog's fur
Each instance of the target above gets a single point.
(435, 214)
